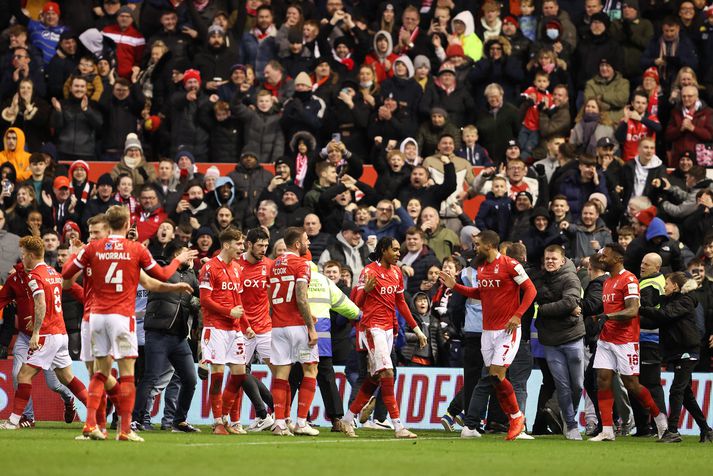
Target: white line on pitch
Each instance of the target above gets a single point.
(284, 441)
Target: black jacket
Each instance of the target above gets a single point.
(170, 313)
(676, 320)
(558, 294)
(591, 306)
(432, 196)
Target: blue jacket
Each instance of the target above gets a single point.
(257, 54)
(395, 228)
(495, 214)
(577, 192)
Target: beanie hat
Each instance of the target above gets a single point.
(185, 153)
(132, 142)
(602, 18)
(645, 216)
(421, 60)
(105, 179)
(204, 230)
(652, 72)
(512, 20)
(51, 7)
(216, 30)
(76, 164)
(303, 78)
(191, 74)
(554, 23)
(446, 68)
(125, 9)
(212, 171)
(294, 35)
(440, 111)
(600, 197)
(454, 50)
(70, 226)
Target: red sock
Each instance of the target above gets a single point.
(288, 400)
(506, 398)
(305, 396)
(22, 396)
(79, 390)
(100, 412)
(114, 394)
(235, 409)
(606, 406)
(96, 390)
(644, 398)
(235, 382)
(280, 388)
(127, 397)
(366, 391)
(216, 386)
(387, 394)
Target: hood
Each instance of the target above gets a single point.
(93, 40)
(691, 285)
(342, 240)
(219, 182)
(19, 150)
(390, 41)
(413, 302)
(467, 18)
(657, 227)
(655, 162)
(409, 64)
(540, 212)
(406, 141)
(307, 138)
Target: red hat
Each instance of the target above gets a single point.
(191, 74)
(50, 7)
(70, 226)
(646, 215)
(454, 50)
(152, 123)
(78, 163)
(512, 20)
(60, 182)
(652, 72)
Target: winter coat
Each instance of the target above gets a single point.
(577, 192)
(262, 132)
(257, 53)
(170, 313)
(613, 94)
(555, 121)
(558, 294)
(591, 51)
(494, 214)
(536, 241)
(33, 122)
(301, 114)
(591, 306)
(432, 196)
(76, 130)
(656, 169)
(569, 31)
(685, 56)
(143, 173)
(507, 72)
(426, 258)
(226, 137)
(429, 135)
(580, 238)
(633, 36)
(248, 185)
(120, 117)
(576, 137)
(459, 104)
(332, 214)
(682, 202)
(355, 257)
(682, 141)
(185, 127)
(696, 226)
(406, 91)
(495, 129)
(443, 241)
(395, 228)
(430, 325)
(351, 124)
(214, 63)
(676, 320)
(668, 249)
(9, 253)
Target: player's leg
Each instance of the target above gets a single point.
(230, 395)
(505, 348)
(628, 368)
(282, 357)
(305, 396)
(19, 353)
(369, 381)
(22, 395)
(127, 397)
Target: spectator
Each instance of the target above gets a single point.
(433, 195)
(193, 210)
(21, 68)
(498, 65)
(535, 98)
(185, 108)
(494, 213)
(262, 129)
(62, 64)
(610, 89)
(690, 124)
(417, 259)
(578, 184)
(258, 46)
(129, 43)
(14, 152)
(214, 61)
(410, 39)
(121, 106)
(151, 215)
(76, 123)
(669, 52)
(591, 124)
(654, 240)
(10, 246)
(318, 240)
(382, 57)
(635, 124)
(543, 233)
(551, 10)
(349, 249)
(134, 164)
(637, 175)
(555, 119)
(443, 241)
(402, 87)
(634, 34)
(588, 235)
(102, 200)
(29, 112)
(498, 123)
(388, 224)
(59, 207)
(45, 33)
(392, 172)
(304, 111)
(700, 222)
(516, 174)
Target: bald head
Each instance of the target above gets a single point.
(650, 265)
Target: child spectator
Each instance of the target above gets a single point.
(225, 132)
(471, 151)
(625, 235)
(535, 99)
(494, 213)
(528, 21)
(263, 133)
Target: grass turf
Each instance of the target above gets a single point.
(50, 449)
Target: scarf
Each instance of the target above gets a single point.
(664, 51)
(316, 84)
(348, 62)
(412, 37)
(271, 31)
(130, 202)
(274, 89)
(589, 126)
(448, 91)
(251, 11)
(688, 113)
(515, 189)
(300, 169)
(85, 191)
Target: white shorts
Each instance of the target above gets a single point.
(85, 354)
(499, 347)
(52, 354)
(378, 344)
(220, 347)
(622, 358)
(114, 335)
(262, 343)
(290, 345)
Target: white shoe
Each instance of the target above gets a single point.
(367, 410)
(573, 434)
(525, 436)
(306, 430)
(236, 428)
(661, 423)
(378, 425)
(605, 435)
(260, 424)
(347, 428)
(7, 425)
(130, 436)
(468, 433)
(404, 433)
(277, 431)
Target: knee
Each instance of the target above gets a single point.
(189, 380)
(386, 373)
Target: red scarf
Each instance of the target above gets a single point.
(274, 90)
(85, 191)
(317, 84)
(515, 189)
(129, 202)
(261, 35)
(300, 169)
(412, 37)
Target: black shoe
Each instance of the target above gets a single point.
(184, 427)
(706, 436)
(670, 437)
(114, 422)
(136, 426)
(203, 372)
(165, 427)
(70, 412)
(148, 427)
(494, 427)
(3, 352)
(554, 421)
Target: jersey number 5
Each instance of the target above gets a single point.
(277, 283)
(115, 276)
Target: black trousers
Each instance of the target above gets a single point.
(649, 377)
(472, 368)
(681, 394)
(326, 380)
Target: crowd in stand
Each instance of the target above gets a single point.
(577, 122)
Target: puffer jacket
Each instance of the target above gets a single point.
(76, 129)
(170, 313)
(430, 326)
(186, 130)
(263, 133)
(142, 174)
(676, 321)
(558, 294)
(613, 94)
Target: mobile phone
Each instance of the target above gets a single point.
(337, 137)
(184, 197)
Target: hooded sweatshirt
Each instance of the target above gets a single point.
(19, 158)
(219, 182)
(641, 173)
(378, 60)
(472, 45)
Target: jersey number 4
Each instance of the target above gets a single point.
(277, 285)
(115, 276)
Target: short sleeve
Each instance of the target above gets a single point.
(631, 289)
(206, 279)
(35, 286)
(303, 272)
(362, 279)
(82, 258)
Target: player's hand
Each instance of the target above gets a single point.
(250, 333)
(184, 287)
(710, 342)
(512, 324)
(236, 312)
(447, 280)
(312, 334)
(35, 341)
(370, 283)
(28, 325)
(422, 340)
(187, 256)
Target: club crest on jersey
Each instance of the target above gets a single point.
(107, 246)
(264, 270)
(497, 268)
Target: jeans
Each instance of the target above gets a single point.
(681, 394)
(19, 351)
(170, 400)
(566, 362)
(163, 350)
(527, 140)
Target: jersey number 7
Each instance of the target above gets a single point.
(277, 283)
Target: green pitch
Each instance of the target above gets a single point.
(50, 449)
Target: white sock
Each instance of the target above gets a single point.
(301, 422)
(348, 417)
(607, 429)
(218, 421)
(281, 423)
(397, 424)
(15, 419)
(516, 415)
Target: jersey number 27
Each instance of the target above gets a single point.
(277, 283)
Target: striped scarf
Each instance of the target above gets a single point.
(84, 196)
(129, 202)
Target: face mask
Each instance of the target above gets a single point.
(366, 84)
(195, 202)
(552, 33)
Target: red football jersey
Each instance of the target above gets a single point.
(287, 270)
(16, 289)
(87, 287)
(617, 289)
(222, 281)
(45, 280)
(499, 283)
(113, 266)
(256, 304)
(380, 304)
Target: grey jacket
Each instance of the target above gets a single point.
(580, 238)
(9, 253)
(558, 294)
(681, 202)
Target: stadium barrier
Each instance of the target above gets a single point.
(423, 395)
